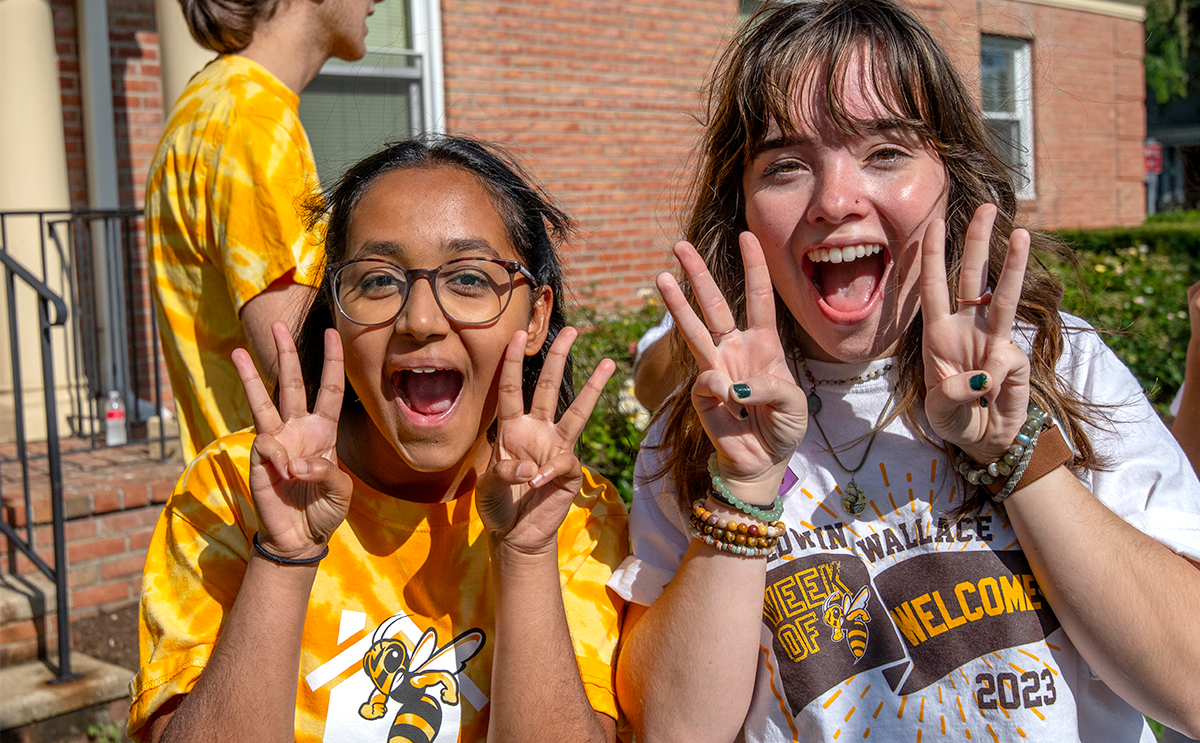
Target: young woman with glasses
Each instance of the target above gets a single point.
(418, 556)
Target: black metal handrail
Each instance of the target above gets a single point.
(46, 297)
(94, 273)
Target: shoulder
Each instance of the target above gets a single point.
(599, 498)
(215, 487)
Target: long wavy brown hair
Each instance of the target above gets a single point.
(809, 45)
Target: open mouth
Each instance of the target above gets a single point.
(847, 278)
(428, 391)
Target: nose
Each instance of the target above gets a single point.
(837, 191)
(421, 316)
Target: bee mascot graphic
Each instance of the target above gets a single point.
(409, 675)
(848, 617)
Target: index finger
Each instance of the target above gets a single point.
(333, 379)
(935, 292)
(510, 403)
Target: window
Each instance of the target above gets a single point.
(746, 8)
(1008, 105)
(352, 109)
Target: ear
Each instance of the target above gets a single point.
(539, 320)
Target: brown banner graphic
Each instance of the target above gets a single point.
(937, 611)
(827, 624)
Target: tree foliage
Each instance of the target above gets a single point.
(1171, 47)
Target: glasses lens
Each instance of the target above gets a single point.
(370, 292)
(473, 291)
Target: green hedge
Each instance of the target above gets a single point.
(609, 443)
(1131, 283)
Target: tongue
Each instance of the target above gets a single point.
(431, 393)
(848, 286)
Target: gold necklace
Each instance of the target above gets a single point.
(854, 498)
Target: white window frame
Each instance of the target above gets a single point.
(426, 81)
(1021, 52)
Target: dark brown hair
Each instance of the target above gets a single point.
(810, 45)
(226, 26)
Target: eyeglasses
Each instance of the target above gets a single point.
(469, 291)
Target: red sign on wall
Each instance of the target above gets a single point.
(1152, 154)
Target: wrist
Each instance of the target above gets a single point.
(758, 490)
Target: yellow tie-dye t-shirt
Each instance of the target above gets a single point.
(224, 222)
(363, 594)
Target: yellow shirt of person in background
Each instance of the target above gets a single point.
(224, 222)
(402, 582)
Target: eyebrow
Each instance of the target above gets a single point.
(459, 246)
(873, 126)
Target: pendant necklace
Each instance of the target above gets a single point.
(854, 498)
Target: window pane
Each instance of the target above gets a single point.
(390, 28)
(998, 76)
(348, 118)
(1006, 138)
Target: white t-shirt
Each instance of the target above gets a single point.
(898, 625)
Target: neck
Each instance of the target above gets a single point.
(289, 46)
(385, 470)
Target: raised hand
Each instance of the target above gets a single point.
(299, 493)
(534, 474)
(746, 397)
(976, 378)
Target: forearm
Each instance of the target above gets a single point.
(1187, 424)
(248, 688)
(537, 693)
(1127, 602)
(687, 666)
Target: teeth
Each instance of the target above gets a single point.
(843, 255)
(423, 371)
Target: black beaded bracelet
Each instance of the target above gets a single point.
(287, 560)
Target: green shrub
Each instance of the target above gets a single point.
(1136, 295)
(609, 443)
(1168, 238)
(1192, 216)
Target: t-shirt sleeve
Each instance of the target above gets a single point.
(194, 568)
(592, 542)
(264, 174)
(658, 532)
(1148, 480)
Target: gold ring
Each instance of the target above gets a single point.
(983, 299)
(722, 333)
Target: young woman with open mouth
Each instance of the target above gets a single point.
(900, 496)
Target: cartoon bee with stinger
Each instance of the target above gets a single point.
(407, 675)
(848, 618)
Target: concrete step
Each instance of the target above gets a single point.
(30, 697)
(27, 618)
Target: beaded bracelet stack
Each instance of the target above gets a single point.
(721, 493)
(1014, 462)
(744, 539)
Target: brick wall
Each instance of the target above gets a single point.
(1089, 109)
(111, 499)
(598, 100)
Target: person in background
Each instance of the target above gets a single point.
(408, 549)
(228, 248)
(1186, 405)
(906, 498)
(654, 376)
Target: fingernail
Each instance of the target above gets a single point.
(299, 467)
(741, 390)
(983, 403)
(979, 382)
(538, 481)
(526, 470)
(745, 413)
